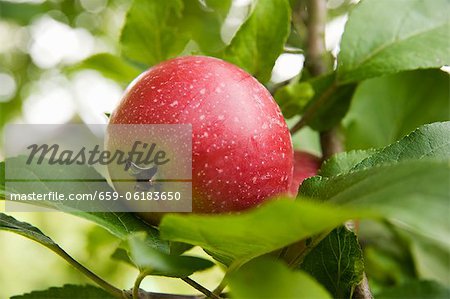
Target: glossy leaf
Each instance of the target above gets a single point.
(150, 34)
(408, 35)
(408, 193)
(202, 21)
(343, 162)
(155, 262)
(266, 278)
(385, 109)
(407, 182)
(155, 31)
(240, 238)
(27, 230)
(260, 40)
(337, 263)
(428, 141)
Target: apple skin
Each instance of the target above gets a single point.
(241, 146)
(305, 165)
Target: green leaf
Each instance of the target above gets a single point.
(121, 254)
(154, 262)
(431, 258)
(151, 34)
(9, 223)
(343, 162)
(408, 35)
(293, 98)
(220, 6)
(408, 193)
(158, 30)
(22, 13)
(202, 21)
(396, 182)
(240, 238)
(428, 141)
(337, 263)
(267, 278)
(67, 292)
(416, 290)
(110, 66)
(119, 224)
(385, 109)
(177, 248)
(260, 40)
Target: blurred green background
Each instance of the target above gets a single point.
(43, 80)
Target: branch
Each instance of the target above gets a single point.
(315, 54)
(199, 287)
(362, 291)
(138, 293)
(149, 295)
(316, 64)
(136, 290)
(315, 51)
(98, 280)
(331, 143)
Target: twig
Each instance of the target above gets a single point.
(317, 17)
(362, 291)
(315, 54)
(149, 295)
(136, 290)
(201, 288)
(98, 280)
(219, 289)
(138, 293)
(331, 143)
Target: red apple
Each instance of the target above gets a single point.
(305, 165)
(241, 147)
